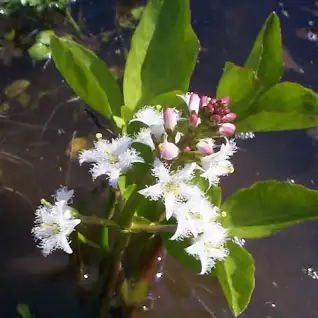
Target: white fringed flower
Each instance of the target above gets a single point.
(144, 137)
(193, 216)
(209, 246)
(54, 223)
(171, 186)
(154, 119)
(111, 158)
(217, 164)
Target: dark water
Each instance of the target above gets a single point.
(33, 163)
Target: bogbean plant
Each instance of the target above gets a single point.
(171, 147)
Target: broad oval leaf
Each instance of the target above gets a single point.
(267, 207)
(163, 52)
(266, 56)
(241, 84)
(285, 106)
(87, 75)
(236, 277)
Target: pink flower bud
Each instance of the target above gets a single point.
(205, 146)
(205, 101)
(225, 100)
(216, 119)
(228, 118)
(194, 120)
(227, 129)
(168, 150)
(187, 149)
(194, 103)
(170, 118)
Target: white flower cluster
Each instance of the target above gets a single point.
(197, 219)
(54, 223)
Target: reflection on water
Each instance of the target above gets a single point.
(35, 159)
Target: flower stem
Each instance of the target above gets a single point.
(97, 221)
(152, 228)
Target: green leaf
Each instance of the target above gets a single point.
(176, 250)
(39, 52)
(241, 85)
(285, 106)
(24, 311)
(267, 207)
(44, 37)
(236, 277)
(87, 75)
(170, 99)
(214, 194)
(266, 56)
(163, 52)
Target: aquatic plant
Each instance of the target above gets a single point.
(169, 149)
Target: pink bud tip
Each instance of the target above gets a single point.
(194, 103)
(168, 150)
(228, 118)
(205, 147)
(225, 100)
(205, 101)
(194, 120)
(170, 118)
(227, 129)
(187, 149)
(216, 118)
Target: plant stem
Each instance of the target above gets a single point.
(72, 21)
(113, 270)
(97, 221)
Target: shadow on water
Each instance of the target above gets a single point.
(33, 162)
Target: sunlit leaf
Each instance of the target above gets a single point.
(285, 106)
(163, 52)
(87, 75)
(236, 277)
(44, 37)
(241, 85)
(267, 207)
(266, 56)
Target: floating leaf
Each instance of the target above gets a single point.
(76, 146)
(267, 207)
(285, 106)
(87, 75)
(163, 52)
(16, 88)
(236, 277)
